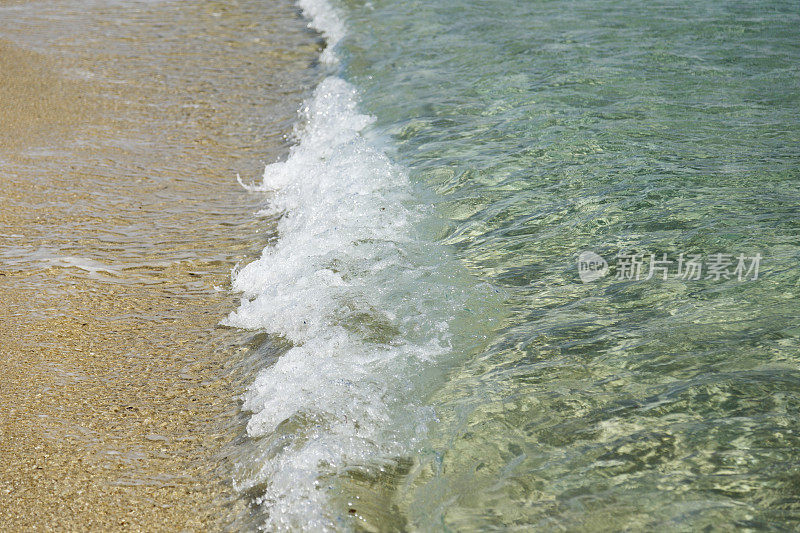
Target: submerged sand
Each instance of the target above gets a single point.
(121, 132)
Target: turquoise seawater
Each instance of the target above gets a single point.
(543, 129)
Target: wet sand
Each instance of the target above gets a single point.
(121, 133)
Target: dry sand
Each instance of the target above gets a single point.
(120, 137)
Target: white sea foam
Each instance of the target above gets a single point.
(365, 303)
(324, 18)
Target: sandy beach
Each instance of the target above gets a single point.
(120, 221)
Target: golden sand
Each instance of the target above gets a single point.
(120, 137)
(35, 101)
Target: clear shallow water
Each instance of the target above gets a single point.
(122, 127)
(448, 368)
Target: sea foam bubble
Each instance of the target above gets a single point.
(361, 298)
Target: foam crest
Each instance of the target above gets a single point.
(364, 301)
(325, 20)
(354, 290)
